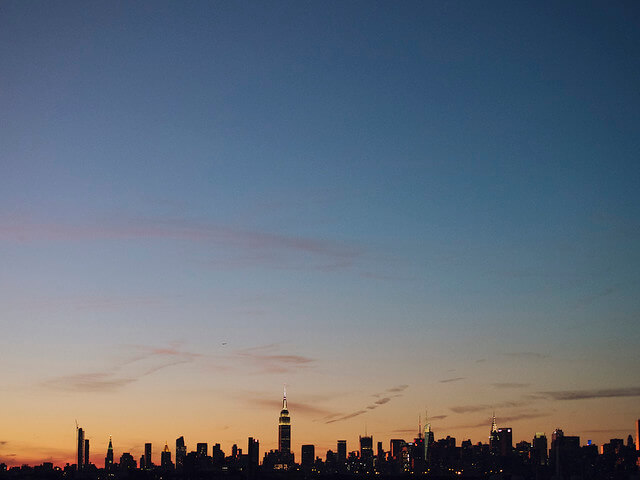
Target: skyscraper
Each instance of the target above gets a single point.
(86, 451)
(342, 452)
(108, 460)
(80, 448)
(494, 437)
(202, 449)
(181, 452)
(308, 456)
(539, 450)
(284, 427)
(366, 450)
(148, 464)
(165, 458)
(506, 441)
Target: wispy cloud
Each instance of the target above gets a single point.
(525, 355)
(382, 400)
(590, 394)
(267, 359)
(511, 418)
(510, 385)
(297, 407)
(259, 246)
(483, 407)
(397, 389)
(454, 379)
(144, 361)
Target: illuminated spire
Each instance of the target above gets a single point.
(494, 427)
(284, 398)
(419, 426)
(110, 444)
(166, 447)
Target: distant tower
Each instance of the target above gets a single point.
(428, 438)
(342, 452)
(284, 427)
(494, 436)
(86, 452)
(366, 450)
(80, 448)
(165, 458)
(108, 460)
(181, 453)
(148, 464)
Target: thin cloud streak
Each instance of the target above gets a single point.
(381, 401)
(510, 385)
(590, 394)
(482, 407)
(525, 355)
(235, 238)
(450, 380)
(152, 360)
(268, 360)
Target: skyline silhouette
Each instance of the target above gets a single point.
(387, 206)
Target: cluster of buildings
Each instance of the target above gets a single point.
(563, 457)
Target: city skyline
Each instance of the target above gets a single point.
(146, 456)
(390, 207)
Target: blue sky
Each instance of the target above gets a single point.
(349, 187)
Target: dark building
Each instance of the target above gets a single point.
(181, 453)
(494, 437)
(165, 458)
(86, 452)
(366, 450)
(418, 464)
(308, 456)
(638, 434)
(127, 462)
(395, 446)
(148, 464)
(108, 460)
(202, 449)
(284, 427)
(565, 453)
(253, 450)
(342, 452)
(505, 440)
(539, 450)
(80, 448)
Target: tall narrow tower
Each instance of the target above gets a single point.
(494, 436)
(108, 460)
(80, 447)
(284, 427)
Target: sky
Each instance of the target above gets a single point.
(391, 207)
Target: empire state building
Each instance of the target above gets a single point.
(284, 427)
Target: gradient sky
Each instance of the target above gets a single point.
(388, 206)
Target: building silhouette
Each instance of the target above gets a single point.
(539, 450)
(86, 452)
(108, 460)
(505, 440)
(307, 456)
(148, 464)
(284, 427)
(80, 448)
(165, 458)
(202, 449)
(342, 452)
(181, 453)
